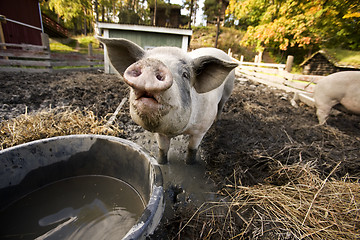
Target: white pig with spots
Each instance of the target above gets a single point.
(341, 89)
(173, 92)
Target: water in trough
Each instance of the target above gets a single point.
(83, 207)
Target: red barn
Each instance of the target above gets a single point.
(23, 21)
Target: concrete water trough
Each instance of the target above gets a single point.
(77, 187)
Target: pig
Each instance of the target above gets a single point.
(340, 90)
(173, 92)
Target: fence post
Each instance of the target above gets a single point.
(260, 57)
(90, 50)
(229, 52)
(45, 41)
(2, 38)
(289, 63)
(90, 53)
(242, 58)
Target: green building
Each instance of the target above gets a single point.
(145, 36)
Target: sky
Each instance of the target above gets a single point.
(199, 13)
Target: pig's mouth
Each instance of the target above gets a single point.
(146, 97)
(148, 102)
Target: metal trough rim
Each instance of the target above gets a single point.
(153, 212)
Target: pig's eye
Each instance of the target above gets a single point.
(186, 75)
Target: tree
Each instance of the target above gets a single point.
(192, 6)
(78, 14)
(298, 23)
(130, 13)
(74, 12)
(215, 11)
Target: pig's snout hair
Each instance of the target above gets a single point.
(149, 75)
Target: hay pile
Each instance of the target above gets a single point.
(53, 122)
(294, 203)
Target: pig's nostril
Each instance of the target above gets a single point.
(159, 77)
(136, 73)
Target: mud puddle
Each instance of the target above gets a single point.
(184, 184)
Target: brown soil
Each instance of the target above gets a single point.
(258, 127)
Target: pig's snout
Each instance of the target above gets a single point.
(148, 75)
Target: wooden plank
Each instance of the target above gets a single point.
(31, 70)
(272, 84)
(76, 69)
(97, 63)
(260, 69)
(96, 57)
(68, 56)
(299, 77)
(24, 46)
(307, 78)
(24, 54)
(305, 86)
(12, 62)
(271, 65)
(75, 57)
(268, 77)
(74, 63)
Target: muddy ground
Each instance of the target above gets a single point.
(258, 128)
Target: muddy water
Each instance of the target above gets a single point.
(85, 207)
(183, 183)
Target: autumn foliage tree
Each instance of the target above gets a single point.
(75, 14)
(80, 15)
(304, 24)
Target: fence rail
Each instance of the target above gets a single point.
(277, 75)
(34, 58)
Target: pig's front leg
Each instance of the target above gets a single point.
(193, 146)
(164, 145)
(323, 108)
(322, 113)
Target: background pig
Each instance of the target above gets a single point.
(173, 92)
(338, 88)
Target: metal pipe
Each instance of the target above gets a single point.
(24, 24)
(41, 22)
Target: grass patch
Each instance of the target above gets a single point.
(345, 57)
(85, 40)
(77, 44)
(60, 47)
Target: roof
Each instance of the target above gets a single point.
(143, 28)
(339, 58)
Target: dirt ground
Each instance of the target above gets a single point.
(258, 128)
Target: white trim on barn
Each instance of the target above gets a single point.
(142, 28)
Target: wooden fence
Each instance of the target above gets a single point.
(34, 58)
(278, 75)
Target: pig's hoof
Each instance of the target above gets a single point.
(162, 158)
(191, 156)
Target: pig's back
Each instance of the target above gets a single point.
(336, 86)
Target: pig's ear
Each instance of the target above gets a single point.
(122, 53)
(211, 72)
